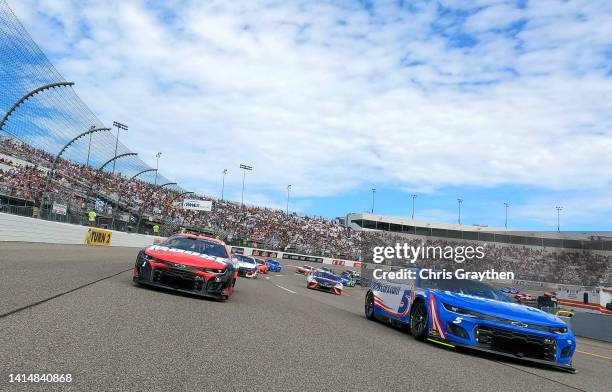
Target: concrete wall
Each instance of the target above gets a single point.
(592, 326)
(243, 250)
(20, 228)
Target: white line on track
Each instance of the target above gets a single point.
(286, 289)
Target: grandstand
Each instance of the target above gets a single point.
(570, 258)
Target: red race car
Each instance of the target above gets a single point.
(262, 266)
(304, 270)
(188, 263)
(523, 297)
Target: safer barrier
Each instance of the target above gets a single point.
(592, 325)
(25, 229)
(99, 237)
(243, 250)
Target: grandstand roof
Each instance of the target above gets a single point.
(566, 235)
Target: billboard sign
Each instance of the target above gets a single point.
(198, 205)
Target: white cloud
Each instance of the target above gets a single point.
(314, 94)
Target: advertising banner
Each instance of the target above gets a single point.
(265, 253)
(59, 208)
(198, 205)
(312, 259)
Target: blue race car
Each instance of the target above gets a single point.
(510, 290)
(274, 266)
(472, 314)
(347, 279)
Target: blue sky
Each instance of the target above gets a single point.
(488, 100)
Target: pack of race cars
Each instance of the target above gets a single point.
(450, 312)
(204, 266)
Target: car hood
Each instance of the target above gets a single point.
(325, 281)
(505, 310)
(246, 264)
(180, 256)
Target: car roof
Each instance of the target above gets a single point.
(200, 237)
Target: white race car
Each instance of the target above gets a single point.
(247, 266)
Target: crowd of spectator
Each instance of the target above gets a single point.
(536, 263)
(79, 186)
(23, 172)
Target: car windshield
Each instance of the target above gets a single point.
(198, 245)
(465, 286)
(246, 259)
(327, 275)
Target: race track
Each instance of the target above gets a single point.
(74, 309)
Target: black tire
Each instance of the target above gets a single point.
(418, 320)
(369, 306)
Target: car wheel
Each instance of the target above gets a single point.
(418, 320)
(369, 306)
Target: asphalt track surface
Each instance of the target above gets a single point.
(74, 309)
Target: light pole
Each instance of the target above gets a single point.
(119, 127)
(244, 168)
(158, 155)
(373, 193)
(506, 204)
(459, 201)
(223, 183)
(559, 208)
(414, 196)
(288, 189)
(89, 146)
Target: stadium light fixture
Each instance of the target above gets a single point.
(373, 192)
(158, 155)
(288, 189)
(506, 204)
(119, 127)
(223, 183)
(244, 168)
(559, 208)
(413, 196)
(459, 201)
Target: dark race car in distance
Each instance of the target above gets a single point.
(347, 279)
(324, 281)
(188, 263)
(510, 290)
